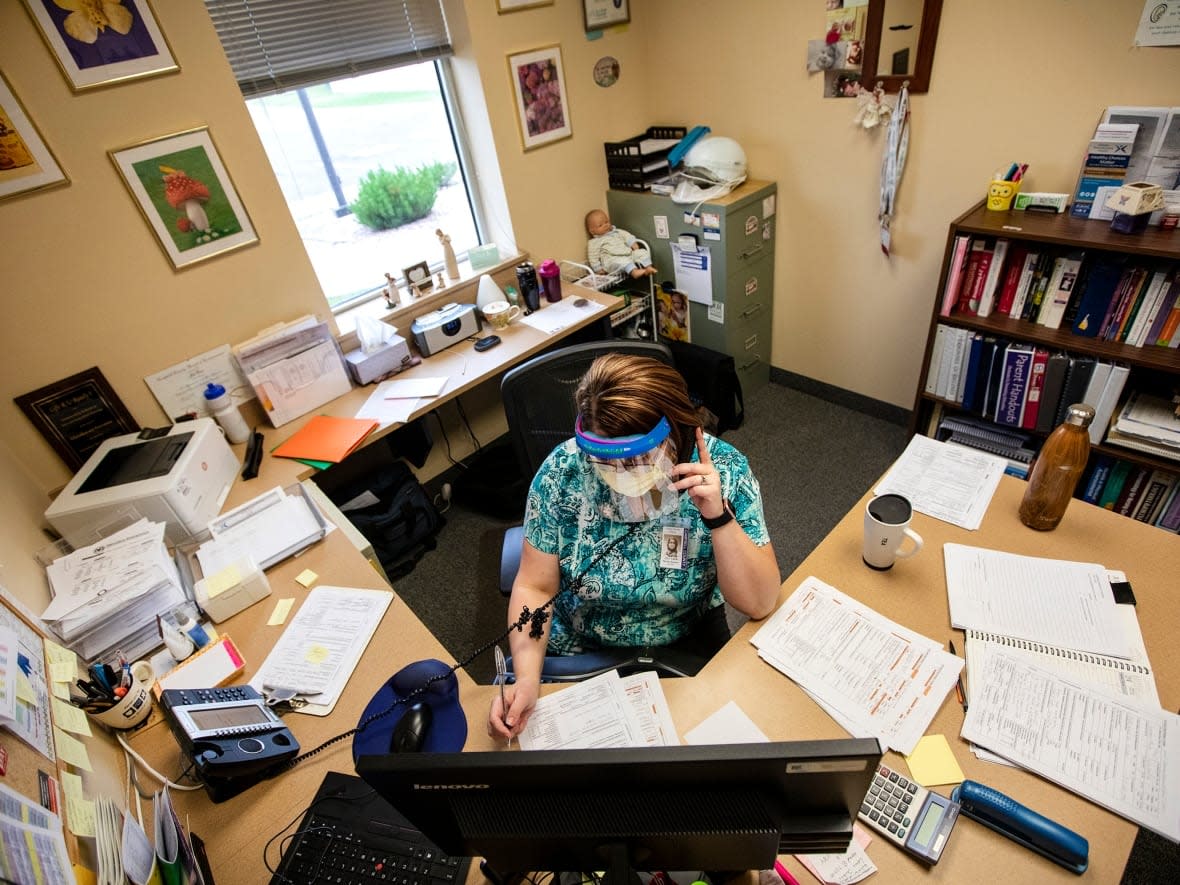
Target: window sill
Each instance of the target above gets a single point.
(462, 291)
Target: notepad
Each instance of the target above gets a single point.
(327, 438)
(212, 666)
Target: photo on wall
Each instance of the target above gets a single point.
(186, 196)
(26, 163)
(102, 43)
(542, 109)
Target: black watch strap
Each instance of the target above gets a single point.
(725, 517)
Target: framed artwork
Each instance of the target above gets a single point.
(100, 44)
(186, 196)
(599, 14)
(672, 312)
(503, 6)
(418, 278)
(76, 414)
(26, 163)
(542, 108)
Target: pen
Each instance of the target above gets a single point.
(784, 873)
(501, 677)
(960, 691)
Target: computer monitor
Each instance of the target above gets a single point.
(720, 807)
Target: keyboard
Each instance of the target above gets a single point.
(351, 835)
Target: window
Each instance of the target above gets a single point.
(337, 96)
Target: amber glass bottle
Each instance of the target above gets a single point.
(1057, 470)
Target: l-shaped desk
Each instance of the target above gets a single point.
(913, 594)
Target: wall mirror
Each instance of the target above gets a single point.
(899, 43)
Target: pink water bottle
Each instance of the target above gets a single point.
(550, 279)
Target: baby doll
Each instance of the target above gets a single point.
(611, 249)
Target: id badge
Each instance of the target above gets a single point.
(674, 543)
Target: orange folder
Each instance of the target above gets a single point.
(325, 438)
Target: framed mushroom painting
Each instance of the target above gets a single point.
(186, 196)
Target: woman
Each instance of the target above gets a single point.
(636, 531)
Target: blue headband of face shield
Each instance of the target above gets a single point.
(621, 446)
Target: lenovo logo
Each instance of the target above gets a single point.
(452, 786)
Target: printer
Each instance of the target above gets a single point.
(180, 478)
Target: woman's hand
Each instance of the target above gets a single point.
(701, 480)
(521, 698)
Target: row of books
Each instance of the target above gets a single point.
(1107, 296)
(1144, 493)
(1021, 385)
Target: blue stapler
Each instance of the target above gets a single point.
(1023, 825)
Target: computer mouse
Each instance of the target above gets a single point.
(410, 732)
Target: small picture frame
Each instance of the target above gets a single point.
(26, 163)
(101, 44)
(76, 414)
(542, 107)
(186, 196)
(418, 278)
(599, 14)
(672, 310)
(503, 6)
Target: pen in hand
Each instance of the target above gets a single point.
(501, 677)
(960, 691)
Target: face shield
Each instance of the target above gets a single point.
(631, 480)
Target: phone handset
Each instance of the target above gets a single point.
(1023, 825)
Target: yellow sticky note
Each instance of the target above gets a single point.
(219, 582)
(71, 750)
(60, 690)
(282, 609)
(79, 809)
(317, 654)
(933, 763)
(306, 577)
(63, 671)
(24, 689)
(70, 718)
(59, 655)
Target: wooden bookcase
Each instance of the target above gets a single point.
(1151, 366)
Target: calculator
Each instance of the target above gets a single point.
(908, 815)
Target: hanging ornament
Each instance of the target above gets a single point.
(893, 164)
(871, 108)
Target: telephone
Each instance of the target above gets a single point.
(229, 733)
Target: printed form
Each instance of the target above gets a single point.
(606, 711)
(949, 482)
(874, 676)
(1124, 758)
(1068, 604)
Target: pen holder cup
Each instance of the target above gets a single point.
(1001, 193)
(132, 710)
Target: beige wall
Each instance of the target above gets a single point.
(84, 283)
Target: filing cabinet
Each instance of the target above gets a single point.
(738, 232)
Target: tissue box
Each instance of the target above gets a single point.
(367, 367)
(1136, 198)
(224, 594)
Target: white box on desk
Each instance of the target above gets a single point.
(367, 367)
(229, 591)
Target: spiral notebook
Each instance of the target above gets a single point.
(1131, 680)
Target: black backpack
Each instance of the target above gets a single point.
(403, 522)
(712, 381)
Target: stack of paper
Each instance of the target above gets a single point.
(1059, 681)
(106, 596)
(267, 529)
(873, 676)
(1148, 424)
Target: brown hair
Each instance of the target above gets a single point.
(622, 394)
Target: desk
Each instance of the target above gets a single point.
(461, 362)
(913, 593)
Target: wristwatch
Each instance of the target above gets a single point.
(724, 518)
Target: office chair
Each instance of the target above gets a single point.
(538, 400)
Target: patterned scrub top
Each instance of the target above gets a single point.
(628, 598)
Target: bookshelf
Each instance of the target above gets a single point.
(1152, 367)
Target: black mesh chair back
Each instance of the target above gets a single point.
(539, 395)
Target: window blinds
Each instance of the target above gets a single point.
(276, 45)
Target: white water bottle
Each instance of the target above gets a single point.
(223, 409)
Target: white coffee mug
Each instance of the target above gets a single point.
(500, 314)
(887, 525)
